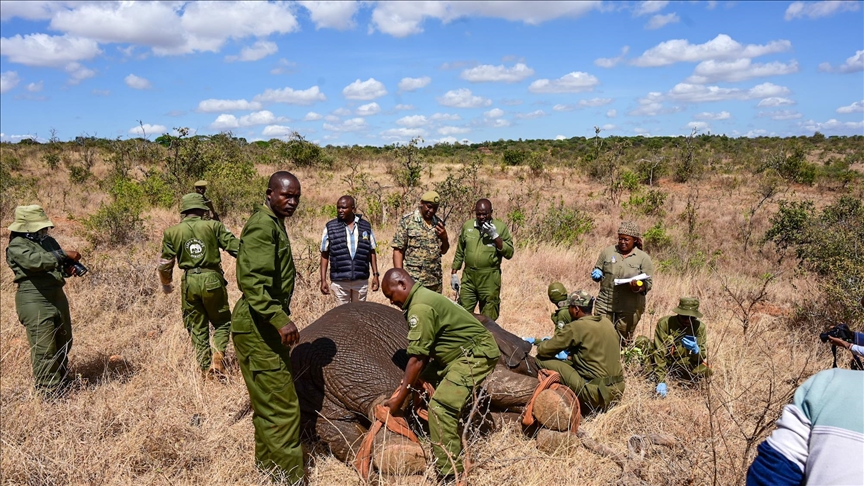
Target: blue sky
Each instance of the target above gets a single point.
(382, 72)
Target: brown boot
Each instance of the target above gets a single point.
(216, 367)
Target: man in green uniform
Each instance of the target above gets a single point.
(679, 345)
(483, 242)
(586, 354)
(263, 332)
(420, 241)
(558, 296)
(194, 243)
(39, 266)
(452, 351)
(201, 188)
(623, 304)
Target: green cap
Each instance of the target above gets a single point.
(193, 201)
(556, 292)
(201, 183)
(688, 306)
(30, 219)
(431, 196)
(580, 298)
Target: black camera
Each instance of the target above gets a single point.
(840, 331)
(71, 268)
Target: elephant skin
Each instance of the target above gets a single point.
(354, 356)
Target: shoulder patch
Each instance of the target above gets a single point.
(412, 321)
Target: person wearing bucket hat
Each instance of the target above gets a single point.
(419, 242)
(586, 354)
(194, 244)
(679, 347)
(38, 261)
(623, 304)
(201, 188)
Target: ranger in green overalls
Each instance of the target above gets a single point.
(680, 347)
(586, 354)
(558, 296)
(483, 242)
(452, 351)
(194, 243)
(263, 332)
(38, 264)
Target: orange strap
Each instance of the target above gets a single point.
(551, 380)
(395, 424)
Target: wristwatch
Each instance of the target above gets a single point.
(376, 274)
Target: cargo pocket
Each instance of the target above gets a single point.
(267, 372)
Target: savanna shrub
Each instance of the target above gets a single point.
(119, 222)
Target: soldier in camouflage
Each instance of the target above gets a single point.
(420, 241)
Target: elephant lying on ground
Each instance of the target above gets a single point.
(354, 356)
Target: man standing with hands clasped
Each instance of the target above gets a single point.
(483, 243)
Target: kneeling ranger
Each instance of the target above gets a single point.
(679, 348)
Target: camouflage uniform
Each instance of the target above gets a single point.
(422, 249)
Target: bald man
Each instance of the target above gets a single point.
(452, 351)
(483, 243)
(263, 332)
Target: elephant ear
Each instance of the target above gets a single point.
(514, 350)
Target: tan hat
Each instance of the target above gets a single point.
(688, 306)
(30, 219)
(430, 196)
(629, 228)
(193, 201)
(201, 183)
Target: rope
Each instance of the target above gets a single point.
(551, 380)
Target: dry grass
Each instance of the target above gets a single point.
(145, 416)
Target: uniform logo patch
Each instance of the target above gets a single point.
(365, 235)
(560, 325)
(195, 248)
(412, 321)
(613, 259)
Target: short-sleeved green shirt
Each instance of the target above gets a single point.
(619, 298)
(443, 330)
(422, 249)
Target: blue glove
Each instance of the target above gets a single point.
(546, 338)
(689, 343)
(597, 275)
(529, 340)
(662, 390)
(563, 355)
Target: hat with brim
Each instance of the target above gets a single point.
(430, 196)
(30, 219)
(193, 201)
(688, 306)
(201, 183)
(580, 298)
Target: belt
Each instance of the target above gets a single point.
(483, 270)
(197, 270)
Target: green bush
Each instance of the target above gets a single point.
(656, 238)
(512, 157)
(156, 190)
(79, 174)
(560, 225)
(119, 222)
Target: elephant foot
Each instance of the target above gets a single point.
(508, 390)
(394, 455)
(554, 409)
(552, 442)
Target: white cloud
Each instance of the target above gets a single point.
(401, 19)
(215, 106)
(463, 98)
(8, 80)
(650, 105)
(368, 109)
(364, 90)
(445, 117)
(264, 117)
(31, 10)
(739, 70)
(342, 111)
(78, 73)
(350, 125)
(699, 126)
(660, 21)
(609, 127)
(612, 113)
(707, 115)
(450, 130)
(530, 116)
(449, 140)
(609, 62)
(756, 133)
(834, 127)
(404, 107)
(403, 133)
(258, 50)
(815, 10)
(35, 87)
(775, 101)
(560, 137)
(563, 107)
(48, 51)
(780, 114)
(312, 116)
(856, 107)
(137, 82)
(148, 129)
(412, 121)
(649, 7)
(853, 64)
(595, 102)
(494, 113)
(413, 84)
(292, 97)
(277, 131)
(574, 82)
(283, 66)
(641, 131)
(697, 93)
(720, 48)
(490, 73)
(332, 15)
